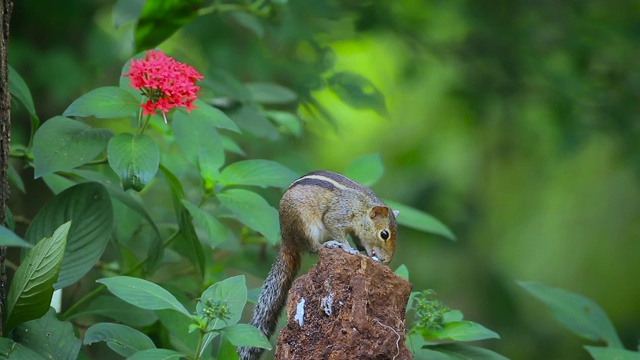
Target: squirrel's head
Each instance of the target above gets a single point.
(386, 230)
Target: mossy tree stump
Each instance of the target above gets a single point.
(346, 307)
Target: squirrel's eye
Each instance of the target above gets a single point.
(384, 234)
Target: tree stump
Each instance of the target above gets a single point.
(346, 307)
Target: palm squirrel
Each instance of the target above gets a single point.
(321, 209)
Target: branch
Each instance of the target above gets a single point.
(6, 6)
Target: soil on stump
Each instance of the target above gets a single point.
(346, 307)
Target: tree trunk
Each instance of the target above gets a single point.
(346, 307)
(5, 139)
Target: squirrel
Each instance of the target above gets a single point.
(317, 210)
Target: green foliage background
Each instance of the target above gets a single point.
(514, 123)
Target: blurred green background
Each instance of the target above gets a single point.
(515, 123)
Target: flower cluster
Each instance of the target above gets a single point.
(165, 82)
(429, 311)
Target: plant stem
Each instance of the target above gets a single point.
(97, 291)
(256, 5)
(82, 301)
(221, 8)
(140, 113)
(200, 345)
(100, 288)
(146, 123)
(220, 347)
(98, 161)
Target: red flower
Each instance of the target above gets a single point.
(165, 82)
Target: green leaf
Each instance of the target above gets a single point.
(119, 310)
(252, 210)
(125, 82)
(209, 114)
(35, 125)
(109, 102)
(63, 144)
(266, 93)
(8, 238)
(250, 118)
(246, 335)
(215, 231)
(465, 352)
(232, 292)
(223, 84)
(32, 286)
(249, 21)
(160, 19)
(9, 219)
(15, 179)
(116, 192)
(58, 183)
(49, 337)
(366, 170)
(416, 344)
(231, 146)
(143, 294)
(19, 89)
(177, 327)
(193, 247)
(88, 206)
(607, 353)
(200, 142)
(134, 158)
(156, 354)
(125, 11)
(357, 92)
(263, 173)
(100, 174)
(11, 350)
(403, 272)
(419, 220)
(125, 341)
(156, 250)
(286, 120)
(128, 200)
(463, 331)
(576, 312)
(453, 315)
(208, 338)
(226, 350)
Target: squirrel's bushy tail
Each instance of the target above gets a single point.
(272, 298)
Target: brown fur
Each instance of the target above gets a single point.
(319, 207)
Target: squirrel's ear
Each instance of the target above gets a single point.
(382, 211)
(396, 213)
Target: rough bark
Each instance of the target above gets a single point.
(5, 138)
(346, 307)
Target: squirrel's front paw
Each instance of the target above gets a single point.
(334, 245)
(338, 245)
(352, 251)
